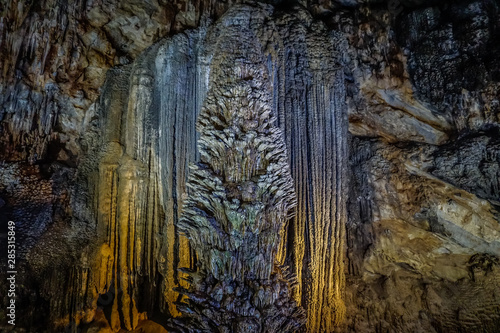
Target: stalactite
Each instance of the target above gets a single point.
(239, 197)
(144, 139)
(312, 112)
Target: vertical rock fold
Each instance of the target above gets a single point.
(263, 65)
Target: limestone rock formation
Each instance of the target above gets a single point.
(140, 137)
(240, 196)
(423, 215)
(398, 233)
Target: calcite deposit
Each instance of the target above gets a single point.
(389, 114)
(240, 194)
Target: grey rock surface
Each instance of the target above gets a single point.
(397, 221)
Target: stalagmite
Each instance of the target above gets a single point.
(146, 123)
(240, 196)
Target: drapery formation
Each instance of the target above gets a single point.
(144, 139)
(239, 199)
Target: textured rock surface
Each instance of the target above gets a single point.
(54, 60)
(240, 194)
(423, 241)
(140, 138)
(94, 161)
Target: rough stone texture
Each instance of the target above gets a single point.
(131, 175)
(89, 178)
(423, 241)
(240, 194)
(423, 253)
(54, 60)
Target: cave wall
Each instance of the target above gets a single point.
(97, 112)
(145, 139)
(422, 234)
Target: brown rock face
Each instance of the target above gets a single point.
(98, 106)
(423, 206)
